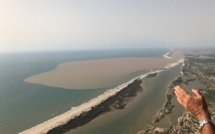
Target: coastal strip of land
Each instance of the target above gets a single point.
(168, 55)
(90, 109)
(197, 73)
(84, 113)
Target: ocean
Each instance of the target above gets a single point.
(24, 105)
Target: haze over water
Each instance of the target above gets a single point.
(54, 25)
(25, 105)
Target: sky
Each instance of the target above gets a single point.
(43, 25)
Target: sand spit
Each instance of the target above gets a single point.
(168, 66)
(168, 55)
(76, 111)
(94, 74)
(116, 64)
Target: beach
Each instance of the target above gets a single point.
(25, 105)
(75, 112)
(140, 112)
(168, 55)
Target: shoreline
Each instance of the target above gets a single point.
(167, 106)
(180, 61)
(168, 55)
(84, 108)
(77, 111)
(191, 73)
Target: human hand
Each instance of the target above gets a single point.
(195, 104)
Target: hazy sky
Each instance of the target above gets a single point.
(27, 25)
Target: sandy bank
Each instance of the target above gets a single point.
(71, 114)
(134, 63)
(168, 55)
(64, 118)
(93, 74)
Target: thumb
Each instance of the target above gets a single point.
(196, 92)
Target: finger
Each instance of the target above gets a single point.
(180, 99)
(177, 86)
(181, 102)
(179, 95)
(196, 92)
(180, 90)
(182, 95)
(176, 94)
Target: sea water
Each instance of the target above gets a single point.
(24, 105)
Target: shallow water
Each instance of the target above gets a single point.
(139, 114)
(24, 105)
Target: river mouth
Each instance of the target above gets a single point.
(26, 105)
(139, 114)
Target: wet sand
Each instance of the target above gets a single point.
(94, 74)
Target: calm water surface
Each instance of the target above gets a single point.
(24, 105)
(139, 114)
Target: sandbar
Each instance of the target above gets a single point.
(75, 112)
(122, 65)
